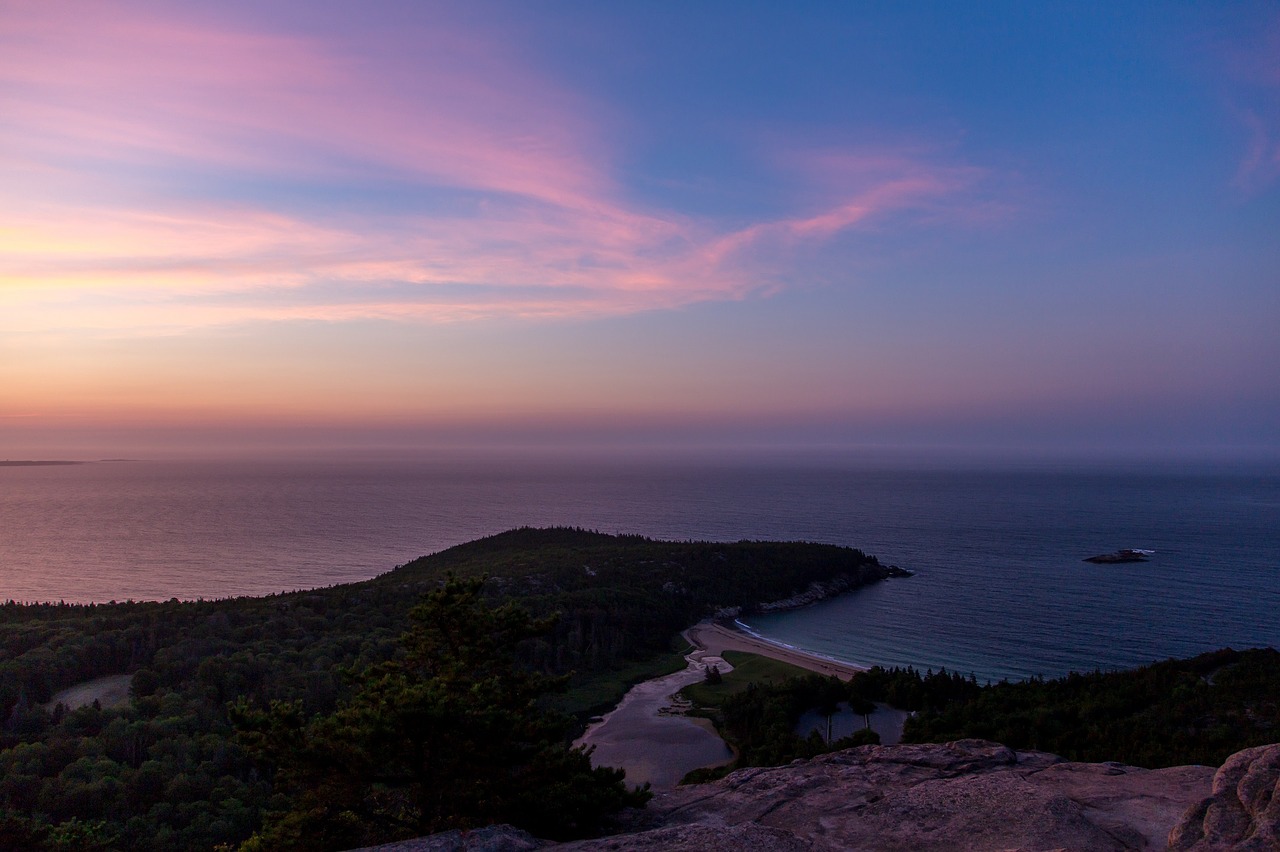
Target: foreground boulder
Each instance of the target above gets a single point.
(966, 795)
(1243, 812)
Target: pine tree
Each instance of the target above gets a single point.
(447, 736)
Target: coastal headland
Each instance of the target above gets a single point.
(611, 605)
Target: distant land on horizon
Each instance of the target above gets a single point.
(28, 463)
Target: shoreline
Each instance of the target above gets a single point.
(648, 735)
(714, 637)
(642, 735)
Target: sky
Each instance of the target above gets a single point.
(271, 227)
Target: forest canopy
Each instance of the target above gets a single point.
(168, 771)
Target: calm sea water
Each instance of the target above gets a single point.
(1000, 588)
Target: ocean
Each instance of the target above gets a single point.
(1000, 588)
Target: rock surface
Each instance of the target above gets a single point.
(966, 795)
(493, 838)
(1244, 810)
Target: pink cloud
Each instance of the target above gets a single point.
(1260, 165)
(143, 87)
(919, 190)
(95, 99)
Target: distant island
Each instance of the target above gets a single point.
(36, 463)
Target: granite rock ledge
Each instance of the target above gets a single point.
(1243, 811)
(966, 795)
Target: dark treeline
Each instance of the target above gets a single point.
(1171, 713)
(760, 722)
(168, 771)
(1196, 711)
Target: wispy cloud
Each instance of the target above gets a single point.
(1260, 165)
(140, 152)
(1252, 68)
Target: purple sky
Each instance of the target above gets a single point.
(1003, 228)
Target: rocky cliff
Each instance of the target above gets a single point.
(966, 795)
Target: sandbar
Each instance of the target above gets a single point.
(658, 746)
(646, 736)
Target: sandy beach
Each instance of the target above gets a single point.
(711, 637)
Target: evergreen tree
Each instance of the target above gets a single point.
(447, 736)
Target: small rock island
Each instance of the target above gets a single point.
(1126, 555)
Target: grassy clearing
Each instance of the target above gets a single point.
(747, 669)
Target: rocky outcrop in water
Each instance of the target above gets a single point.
(967, 795)
(1120, 556)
